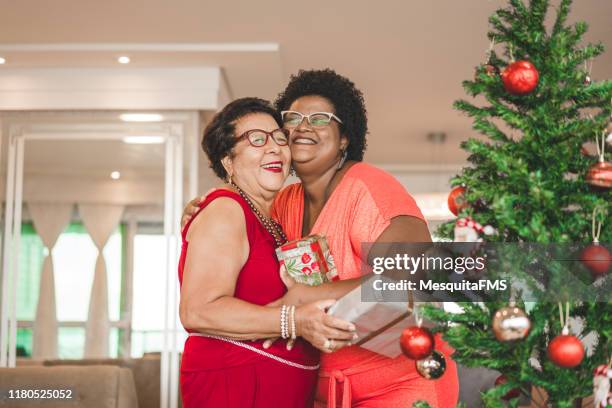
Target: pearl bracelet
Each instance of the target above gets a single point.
(283, 322)
(293, 332)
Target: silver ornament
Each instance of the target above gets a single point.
(511, 323)
(433, 366)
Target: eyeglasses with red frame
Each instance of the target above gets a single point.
(259, 137)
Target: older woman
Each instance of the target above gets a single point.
(228, 273)
(349, 202)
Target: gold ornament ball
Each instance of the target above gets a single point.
(511, 323)
(432, 367)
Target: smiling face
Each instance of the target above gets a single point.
(315, 148)
(259, 171)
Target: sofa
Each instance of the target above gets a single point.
(145, 372)
(100, 386)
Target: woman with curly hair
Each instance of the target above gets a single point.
(350, 203)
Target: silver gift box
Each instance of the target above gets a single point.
(380, 324)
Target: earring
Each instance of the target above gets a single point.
(342, 160)
(291, 171)
(229, 179)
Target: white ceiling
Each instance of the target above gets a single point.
(409, 57)
(94, 158)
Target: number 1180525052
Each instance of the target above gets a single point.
(24, 393)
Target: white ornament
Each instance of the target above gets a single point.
(488, 230)
(466, 234)
(601, 386)
(468, 230)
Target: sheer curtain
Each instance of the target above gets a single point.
(99, 221)
(49, 221)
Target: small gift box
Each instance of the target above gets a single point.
(308, 260)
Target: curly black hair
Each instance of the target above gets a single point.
(219, 138)
(341, 92)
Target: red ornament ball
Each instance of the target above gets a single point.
(513, 393)
(566, 351)
(597, 259)
(456, 200)
(416, 342)
(600, 175)
(520, 78)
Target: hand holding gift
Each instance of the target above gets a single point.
(285, 277)
(307, 261)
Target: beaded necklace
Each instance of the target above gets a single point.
(269, 224)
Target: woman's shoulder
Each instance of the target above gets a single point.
(387, 193)
(374, 178)
(218, 193)
(220, 213)
(221, 207)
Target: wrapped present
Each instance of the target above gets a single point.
(308, 260)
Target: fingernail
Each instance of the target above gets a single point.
(352, 327)
(355, 336)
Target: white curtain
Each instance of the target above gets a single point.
(100, 222)
(49, 221)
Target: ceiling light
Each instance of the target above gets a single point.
(143, 139)
(123, 59)
(115, 175)
(141, 117)
(2, 61)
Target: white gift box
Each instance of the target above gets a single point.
(379, 325)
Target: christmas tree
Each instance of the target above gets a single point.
(539, 174)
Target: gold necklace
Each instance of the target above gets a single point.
(269, 224)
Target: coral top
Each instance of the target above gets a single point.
(358, 211)
(360, 208)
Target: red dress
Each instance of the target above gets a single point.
(217, 373)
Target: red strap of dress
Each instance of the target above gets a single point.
(220, 192)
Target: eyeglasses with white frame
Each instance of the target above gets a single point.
(316, 119)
